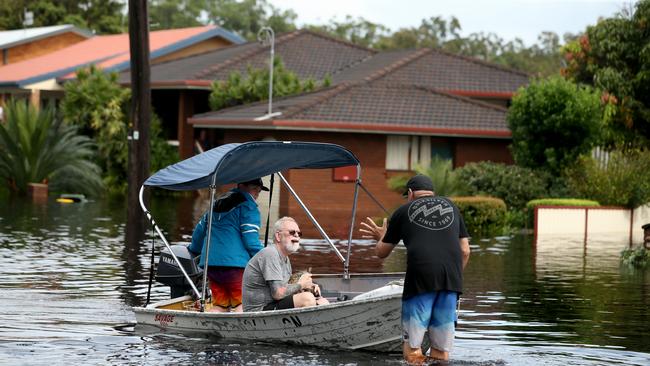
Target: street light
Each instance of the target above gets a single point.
(266, 36)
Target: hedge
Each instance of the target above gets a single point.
(482, 215)
(530, 206)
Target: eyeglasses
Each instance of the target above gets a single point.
(293, 232)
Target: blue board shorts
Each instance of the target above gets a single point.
(433, 311)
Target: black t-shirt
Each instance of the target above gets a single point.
(430, 228)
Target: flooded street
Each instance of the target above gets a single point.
(68, 281)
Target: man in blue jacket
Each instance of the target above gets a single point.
(235, 239)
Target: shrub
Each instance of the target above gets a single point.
(446, 181)
(482, 215)
(623, 181)
(636, 258)
(553, 122)
(530, 206)
(513, 184)
(36, 147)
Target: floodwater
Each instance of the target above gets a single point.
(68, 281)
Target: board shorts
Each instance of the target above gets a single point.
(226, 285)
(434, 311)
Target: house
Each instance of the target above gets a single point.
(180, 88)
(389, 121)
(22, 44)
(41, 78)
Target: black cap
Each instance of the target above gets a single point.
(419, 183)
(256, 182)
(646, 226)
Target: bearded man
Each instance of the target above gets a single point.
(266, 277)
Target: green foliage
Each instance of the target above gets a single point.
(100, 16)
(255, 86)
(561, 202)
(513, 184)
(446, 181)
(170, 14)
(614, 56)
(483, 215)
(247, 17)
(624, 180)
(553, 122)
(636, 258)
(96, 102)
(36, 147)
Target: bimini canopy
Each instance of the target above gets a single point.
(234, 163)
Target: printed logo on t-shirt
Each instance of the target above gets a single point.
(431, 213)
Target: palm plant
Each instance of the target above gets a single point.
(36, 147)
(445, 180)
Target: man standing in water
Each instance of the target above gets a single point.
(437, 249)
(234, 240)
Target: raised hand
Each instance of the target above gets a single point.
(370, 230)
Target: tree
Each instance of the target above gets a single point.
(255, 86)
(170, 14)
(100, 16)
(614, 56)
(553, 122)
(247, 17)
(97, 103)
(623, 180)
(446, 180)
(36, 147)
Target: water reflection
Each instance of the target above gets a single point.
(68, 282)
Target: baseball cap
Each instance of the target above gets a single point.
(419, 183)
(256, 182)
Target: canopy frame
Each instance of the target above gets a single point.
(201, 295)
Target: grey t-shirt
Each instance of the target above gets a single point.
(267, 265)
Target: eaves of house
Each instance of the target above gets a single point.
(110, 52)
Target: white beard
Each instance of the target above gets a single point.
(291, 247)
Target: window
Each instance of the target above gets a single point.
(405, 152)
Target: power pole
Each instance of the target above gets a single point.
(139, 118)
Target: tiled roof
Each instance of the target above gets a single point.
(109, 52)
(309, 54)
(369, 106)
(313, 55)
(452, 73)
(15, 37)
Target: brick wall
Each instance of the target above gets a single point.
(331, 202)
(467, 150)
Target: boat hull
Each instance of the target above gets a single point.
(370, 324)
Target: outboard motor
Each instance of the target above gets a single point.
(169, 273)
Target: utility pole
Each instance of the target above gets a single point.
(139, 118)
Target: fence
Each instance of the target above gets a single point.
(589, 221)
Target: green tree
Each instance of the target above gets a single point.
(255, 86)
(622, 180)
(614, 56)
(247, 17)
(170, 14)
(358, 31)
(97, 103)
(36, 147)
(100, 16)
(553, 122)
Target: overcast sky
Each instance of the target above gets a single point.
(509, 19)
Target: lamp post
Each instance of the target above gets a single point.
(266, 36)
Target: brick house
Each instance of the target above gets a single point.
(180, 88)
(41, 78)
(392, 109)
